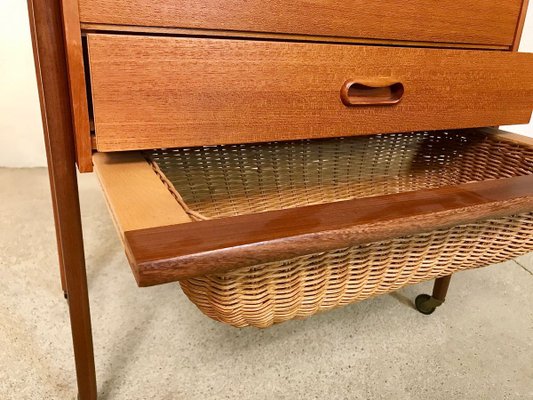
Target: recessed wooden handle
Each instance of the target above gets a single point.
(371, 93)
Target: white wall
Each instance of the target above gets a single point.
(21, 138)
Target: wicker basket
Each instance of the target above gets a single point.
(222, 181)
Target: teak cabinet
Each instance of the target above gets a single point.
(282, 158)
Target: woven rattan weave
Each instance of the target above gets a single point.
(222, 181)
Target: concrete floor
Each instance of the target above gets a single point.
(154, 344)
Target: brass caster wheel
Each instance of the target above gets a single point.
(426, 304)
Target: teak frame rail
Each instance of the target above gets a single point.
(48, 33)
(170, 253)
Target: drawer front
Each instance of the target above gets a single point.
(171, 92)
(489, 22)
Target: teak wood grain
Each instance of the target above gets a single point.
(171, 92)
(288, 37)
(52, 82)
(478, 21)
(520, 25)
(77, 84)
(171, 253)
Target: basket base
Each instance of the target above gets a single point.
(268, 294)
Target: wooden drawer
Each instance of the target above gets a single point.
(169, 92)
(489, 22)
(190, 212)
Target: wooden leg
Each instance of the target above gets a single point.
(78, 299)
(440, 288)
(427, 304)
(59, 247)
(52, 80)
(72, 262)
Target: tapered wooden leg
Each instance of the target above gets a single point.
(71, 254)
(427, 304)
(80, 316)
(440, 288)
(59, 247)
(52, 79)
